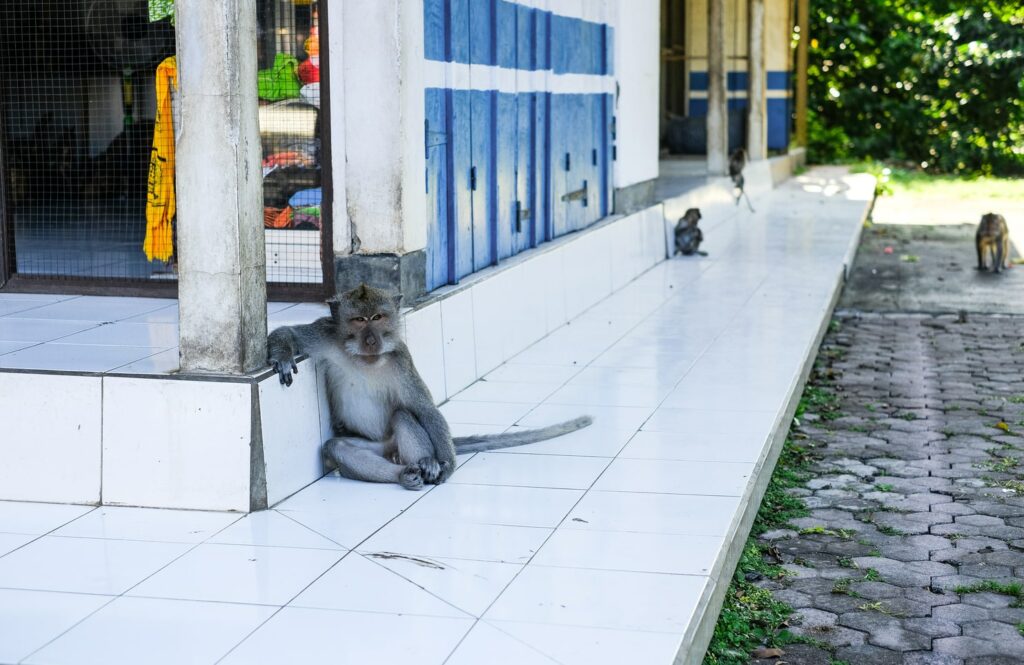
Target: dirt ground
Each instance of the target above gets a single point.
(919, 256)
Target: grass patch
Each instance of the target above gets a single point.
(751, 616)
(1017, 399)
(888, 530)
(1012, 589)
(883, 487)
(872, 575)
(1000, 464)
(819, 400)
(845, 534)
(927, 186)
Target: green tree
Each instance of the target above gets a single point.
(937, 83)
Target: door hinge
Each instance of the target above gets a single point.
(472, 178)
(568, 161)
(593, 157)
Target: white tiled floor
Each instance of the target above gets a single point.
(98, 334)
(592, 548)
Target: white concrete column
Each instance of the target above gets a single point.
(332, 68)
(222, 292)
(383, 97)
(717, 118)
(757, 90)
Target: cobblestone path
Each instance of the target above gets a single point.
(913, 551)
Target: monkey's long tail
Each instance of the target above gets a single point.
(478, 443)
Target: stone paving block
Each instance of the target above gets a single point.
(932, 627)
(930, 658)
(905, 471)
(960, 613)
(866, 654)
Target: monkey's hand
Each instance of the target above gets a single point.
(284, 365)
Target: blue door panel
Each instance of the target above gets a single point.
(481, 32)
(457, 37)
(436, 188)
(545, 174)
(462, 202)
(526, 38)
(507, 124)
(506, 24)
(483, 176)
(434, 30)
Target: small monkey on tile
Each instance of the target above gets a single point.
(387, 428)
(688, 236)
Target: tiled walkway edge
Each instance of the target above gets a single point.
(698, 635)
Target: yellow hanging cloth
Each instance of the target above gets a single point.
(159, 243)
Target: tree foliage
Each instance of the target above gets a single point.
(937, 83)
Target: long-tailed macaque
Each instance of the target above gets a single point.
(386, 426)
(992, 241)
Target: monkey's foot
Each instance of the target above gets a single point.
(430, 469)
(411, 478)
(447, 469)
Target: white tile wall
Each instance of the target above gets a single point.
(51, 440)
(290, 417)
(459, 342)
(424, 337)
(176, 443)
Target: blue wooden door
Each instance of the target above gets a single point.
(517, 138)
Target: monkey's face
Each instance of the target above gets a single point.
(692, 216)
(367, 320)
(992, 225)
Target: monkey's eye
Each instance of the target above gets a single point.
(358, 319)
(377, 317)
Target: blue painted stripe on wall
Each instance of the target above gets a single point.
(737, 81)
(779, 113)
(778, 80)
(573, 46)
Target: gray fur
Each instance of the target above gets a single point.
(387, 428)
(478, 443)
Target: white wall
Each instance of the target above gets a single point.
(637, 69)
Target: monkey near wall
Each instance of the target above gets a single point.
(688, 236)
(992, 241)
(737, 162)
(386, 426)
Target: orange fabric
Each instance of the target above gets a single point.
(160, 203)
(274, 218)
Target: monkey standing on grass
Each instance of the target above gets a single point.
(688, 236)
(993, 241)
(387, 428)
(738, 160)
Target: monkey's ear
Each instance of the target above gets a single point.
(397, 300)
(335, 304)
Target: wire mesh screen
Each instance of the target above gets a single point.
(289, 91)
(88, 111)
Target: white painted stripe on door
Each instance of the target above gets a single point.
(459, 76)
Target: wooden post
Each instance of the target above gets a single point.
(757, 131)
(803, 20)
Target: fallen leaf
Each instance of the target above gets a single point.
(1003, 426)
(887, 250)
(765, 652)
(910, 258)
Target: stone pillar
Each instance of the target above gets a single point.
(384, 145)
(718, 115)
(802, 20)
(222, 293)
(757, 128)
